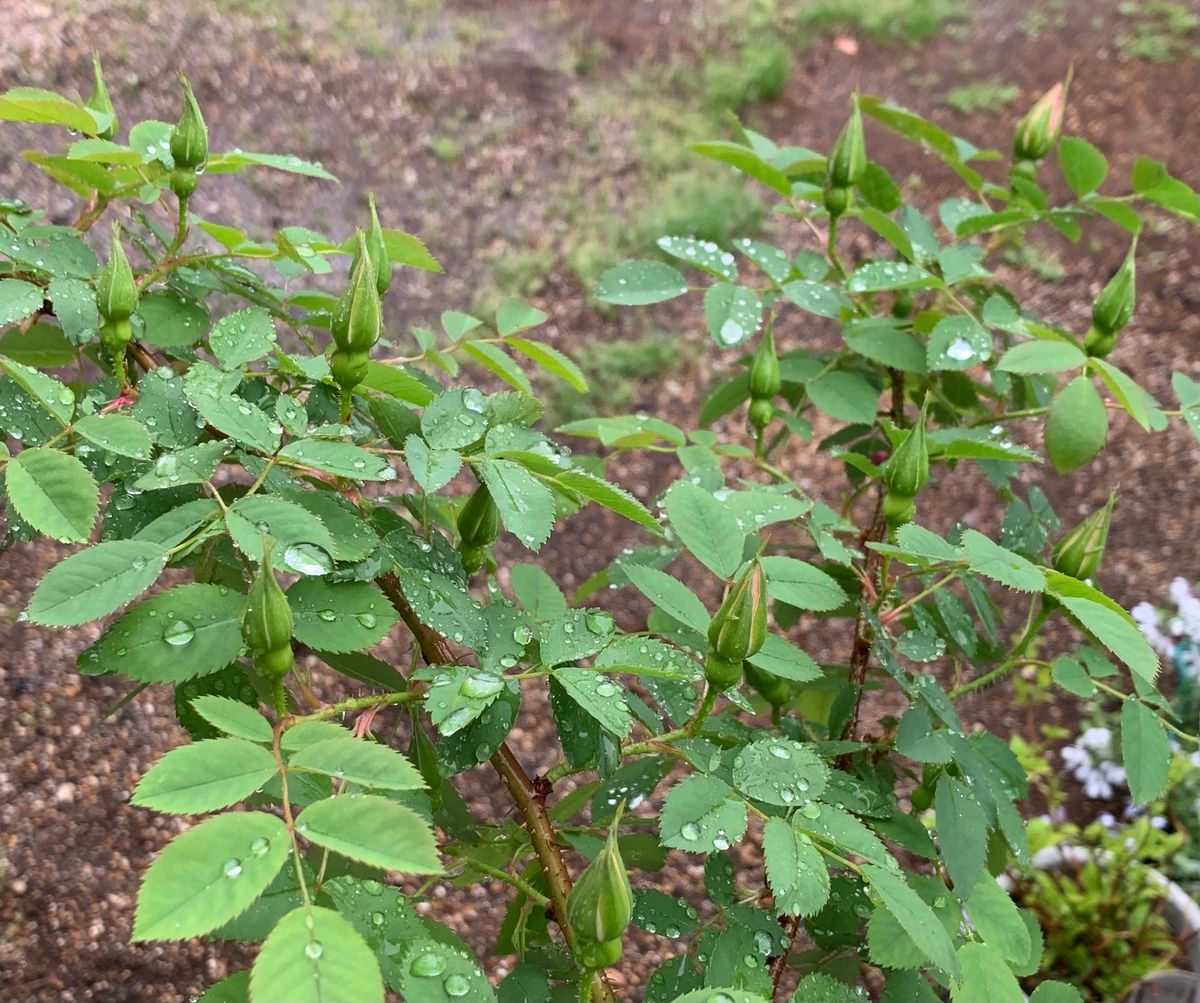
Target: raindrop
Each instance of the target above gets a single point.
(427, 966)
(456, 985)
(314, 949)
(690, 831)
(232, 868)
(260, 846)
(179, 633)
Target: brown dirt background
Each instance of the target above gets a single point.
(299, 77)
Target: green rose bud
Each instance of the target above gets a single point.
(761, 413)
(479, 520)
(358, 315)
(189, 138)
(377, 250)
(740, 626)
(116, 290)
(907, 470)
(849, 158)
(348, 369)
(898, 509)
(764, 369)
(597, 957)
(183, 182)
(1114, 306)
(772, 688)
(1081, 550)
(837, 200)
(267, 623)
(115, 335)
(1039, 130)
(600, 905)
(721, 673)
(101, 103)
(1099, 343)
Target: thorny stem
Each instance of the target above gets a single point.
(436, 651)
(692, 728)
(288, 818)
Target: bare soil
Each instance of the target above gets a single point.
(372, 100)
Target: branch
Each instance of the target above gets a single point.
(436, 651)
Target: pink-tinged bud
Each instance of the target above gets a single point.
(1040, 128)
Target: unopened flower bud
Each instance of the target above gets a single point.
(479, 520)
(1081, 550)
(1039, 130)
(116, 290)
(377, 250)
(907, 470)
(358, 315)
(189, 138)
(740, 626)
(772, 688)
(849, 158)
(267, 623)
(764, 369)
(1114, 306)
(100, 102)
(600, 905)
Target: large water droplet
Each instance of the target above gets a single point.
(307, 559)
(260, 846)
(232, 868)
(456, 985)
(314, 949)
(690, 831)
(179, 633)
(426, 966)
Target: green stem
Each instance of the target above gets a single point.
(707, 702)
(359, 703)
(520, 884)
(280, 698)
(1014, 660)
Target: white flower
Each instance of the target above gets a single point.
(1095, 786)
(1097, 739)
(1106, 819)
(1158, 821)
(1075, 757)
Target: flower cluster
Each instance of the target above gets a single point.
(1090, 761)
(1179, 636)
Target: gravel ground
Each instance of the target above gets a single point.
(372, 109)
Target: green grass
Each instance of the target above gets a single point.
(884, 20)
(992, 96)
(617, 372)
(1160, 31)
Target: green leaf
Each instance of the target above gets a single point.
(225, 162)
(193, 465)
(1135, 399)
(553, 361)
(184, 632)
(744, 159)
(773, 262)
(433, 971)
(1082, 165)
(1052, 991)
(372, 830)
(353, 539)
(1002, 565)
(657, 912)
(433, 469)
(340, 616)
(358, 761)
(526, 505)
(957, 344)
(985, 978)
(639, 283)
(670, 595)
(233, 988)
(1113, 630)
(701, 815)
(18, 300)
(212, 394)
(801, 585)
(881, 276)
(845, 396)
(782, 658)
(1188, 392)
(998, 921)
(702, 254)
(42, 107)
(242, 337)
(205, 776)
(116, 433)
(234, 718)
(395, 382)
(1145, 751)
(513, 316)
(315, 956)
(917, 919)
(706, 527)
(961, 825)
(604, 493)
(56, 398)
(816, 298)
(1077, 426)
(454, 419)
(285, 525)
(94, 582)
(779, 771)
(599, 696)
(733, 313)
(209, 875)
(53, 492)
(43, 345)
(796, 870)
(1041, 357)
(342, 459)
(537, 592)
(881, 340)
(169, 320)
(496, 361)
